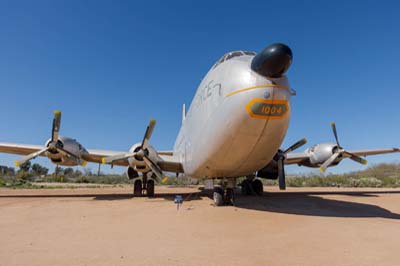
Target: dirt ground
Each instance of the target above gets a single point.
(106, 226)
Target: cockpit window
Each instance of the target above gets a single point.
(231, 55)
(249, 53)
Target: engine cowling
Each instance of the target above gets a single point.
(320, 153)
(137, 163)
(270, 171)
(131, 173)
(70, 145)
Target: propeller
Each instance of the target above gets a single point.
(142, 153)
(340, 152)
(52, 146)
(281, 162)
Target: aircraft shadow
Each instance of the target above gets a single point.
(312, 204)
(297, 203)
(111, 196)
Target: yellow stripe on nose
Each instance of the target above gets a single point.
(257, 87)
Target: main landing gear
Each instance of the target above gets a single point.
(225, 194)
(143, 186)
(252, 186)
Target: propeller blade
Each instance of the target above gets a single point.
(333, 125)
(296, 146)
(281, 174)
(148, 133)
(56, 126)
(328, 162)
(111, 159)
(29, 157)
(154, 168)
(355, 158)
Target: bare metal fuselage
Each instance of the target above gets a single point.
(221, 136)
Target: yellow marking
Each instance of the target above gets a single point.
(57, 112)
(16, 163)
(321, 169)
(103, 160)
(250, 104)
(257, 87)
(84, 163)
(364, 162)
(164, 180)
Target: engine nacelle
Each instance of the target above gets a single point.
(131, 173)
(137, 163)
(270, 171)
(70, 145)
(321, 152)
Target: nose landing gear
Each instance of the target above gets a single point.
(225, 194)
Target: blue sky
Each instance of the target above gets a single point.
(110, 66)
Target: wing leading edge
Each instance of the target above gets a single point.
(299, 157)
(167, 163)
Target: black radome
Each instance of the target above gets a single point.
(273, 61)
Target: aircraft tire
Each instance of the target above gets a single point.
(230, 197)
(137, 188)
(246, 187)
(257, 186)
(218, 196)
(150, 188)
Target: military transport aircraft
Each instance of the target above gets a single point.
(234, 127)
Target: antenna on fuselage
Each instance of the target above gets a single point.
(183, 112)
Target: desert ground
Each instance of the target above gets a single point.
(106, 226)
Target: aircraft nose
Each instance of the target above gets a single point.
(273, 61)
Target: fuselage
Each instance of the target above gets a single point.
(236, 122)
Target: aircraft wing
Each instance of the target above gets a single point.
(95, 156)
(296, 157)
(168, 163)
(22, 149)
(374, 152)
(299, 157)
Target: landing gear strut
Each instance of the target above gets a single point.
(225, 194)
(143, 186)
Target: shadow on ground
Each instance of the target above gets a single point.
(298, 203)
(314, 204)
